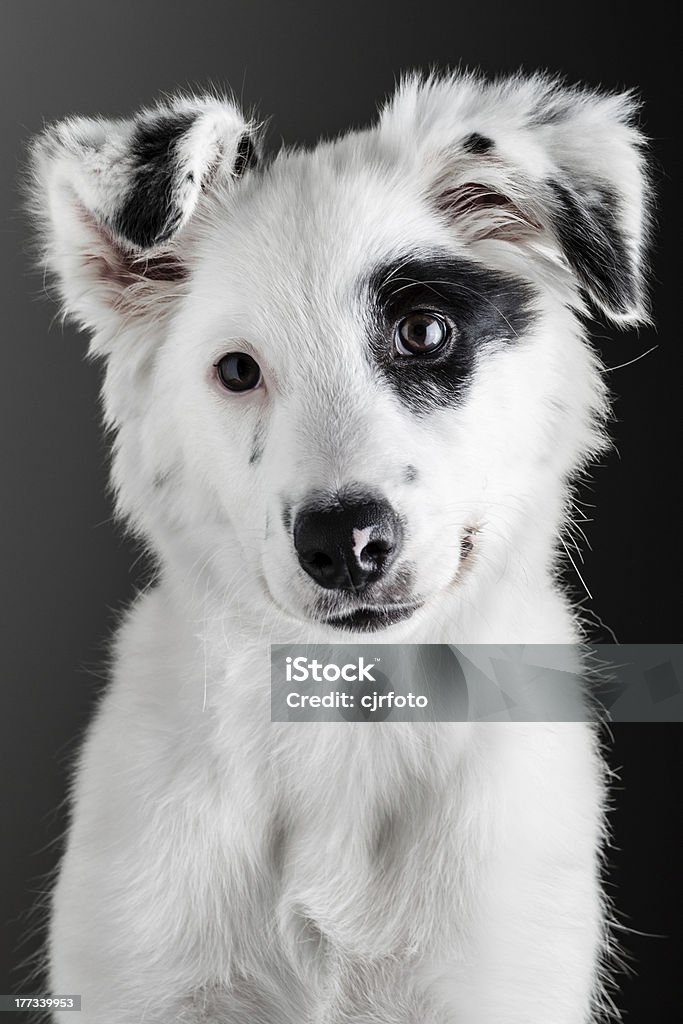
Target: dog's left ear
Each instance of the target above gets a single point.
(113, 200)
(532, 163)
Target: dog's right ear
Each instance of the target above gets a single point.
(532, 164)
(112, 199)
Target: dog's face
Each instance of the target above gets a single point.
(365, 397)
(350, 379)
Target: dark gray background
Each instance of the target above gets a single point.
(314, 68)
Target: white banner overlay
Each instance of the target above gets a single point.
(477, 683)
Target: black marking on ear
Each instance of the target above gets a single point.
(476, 143)
(487, 309)
(588, 230)
(246, 155)
(150, 212)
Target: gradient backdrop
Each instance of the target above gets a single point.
(314, 68)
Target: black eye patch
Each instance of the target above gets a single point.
(485, 307)
(476, 143)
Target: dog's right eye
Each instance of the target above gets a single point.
(421, 333)
(237, 371)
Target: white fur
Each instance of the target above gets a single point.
(223, 868)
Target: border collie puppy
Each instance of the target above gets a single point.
(348, 390)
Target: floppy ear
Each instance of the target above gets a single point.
(533, 163)
(112, 199)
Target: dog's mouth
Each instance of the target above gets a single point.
(382, 610)
(370, 618)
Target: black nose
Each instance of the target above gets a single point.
(347, 543)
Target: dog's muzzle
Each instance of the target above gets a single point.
(347, 542)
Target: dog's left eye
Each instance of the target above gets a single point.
(238, 372)
(420, 333)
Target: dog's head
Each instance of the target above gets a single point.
(349, 381)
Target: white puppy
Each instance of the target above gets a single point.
(348, 390)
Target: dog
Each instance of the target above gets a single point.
(349, 390)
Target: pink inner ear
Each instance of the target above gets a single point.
(114, 264)
(486, 213)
